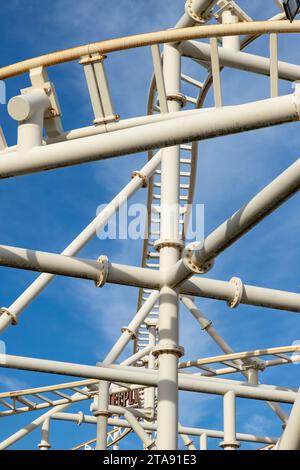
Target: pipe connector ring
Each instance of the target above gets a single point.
(143, 177)
(178, 97)
(80, 418)
(131, 332)
(238, 292)
(189, 262)
(159, 244)
(13, 317)
(234, 444)
(191, 12)
(104, 269)
(168, 348)
(97, 413)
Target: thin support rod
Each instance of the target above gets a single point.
(42, 281)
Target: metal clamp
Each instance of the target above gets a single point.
(131, 332)
(104, 270)
(205, 324)
(14, 318)
(159, 244)
(143, 177)
(238, 292)
(168, 348)
(179, 97)
(187, 259)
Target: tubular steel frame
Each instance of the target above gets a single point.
(171, 270)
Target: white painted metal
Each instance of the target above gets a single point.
(166, 272)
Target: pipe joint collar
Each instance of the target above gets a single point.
(131, 332)
(12, 316)
(168, 348)
(168, 243)
(104, 269)
(238, 292)
(234, 444)
(143, 177)
(190, 261)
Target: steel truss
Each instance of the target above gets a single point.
(140, 395)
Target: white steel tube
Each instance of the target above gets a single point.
(134, 375)
(44, 444)
(197, 8)
(203, 441)
(230, 42)
(167, 388)
(240, 60)
(259, 207)
(212, 433)
(229, 417)
(290, 439)
(223, 121)
(17, 307)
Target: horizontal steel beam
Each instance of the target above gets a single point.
(82, 268)
(258, 208)
(239, 60)
(150, 378)
(196, 126)
(144, 278)
(73, 417)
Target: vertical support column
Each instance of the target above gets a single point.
(203, 442)
(44, 444)
(102, 415)
(274, 65)
(215, 68)
(169, 246)
(230, 42)
(230, 442)
(150, 391)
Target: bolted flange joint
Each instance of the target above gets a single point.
(143, 177)
(238, 292)
(168, 348)
(189, 9)
(104, 270)
(188, 258)
(233, 444)
(131, 332)
(163, 243)
(13, 317)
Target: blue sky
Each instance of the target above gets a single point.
(73, 321)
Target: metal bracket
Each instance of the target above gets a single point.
(236, 10)
(40, 80)
(104, 270)
(98, 87)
